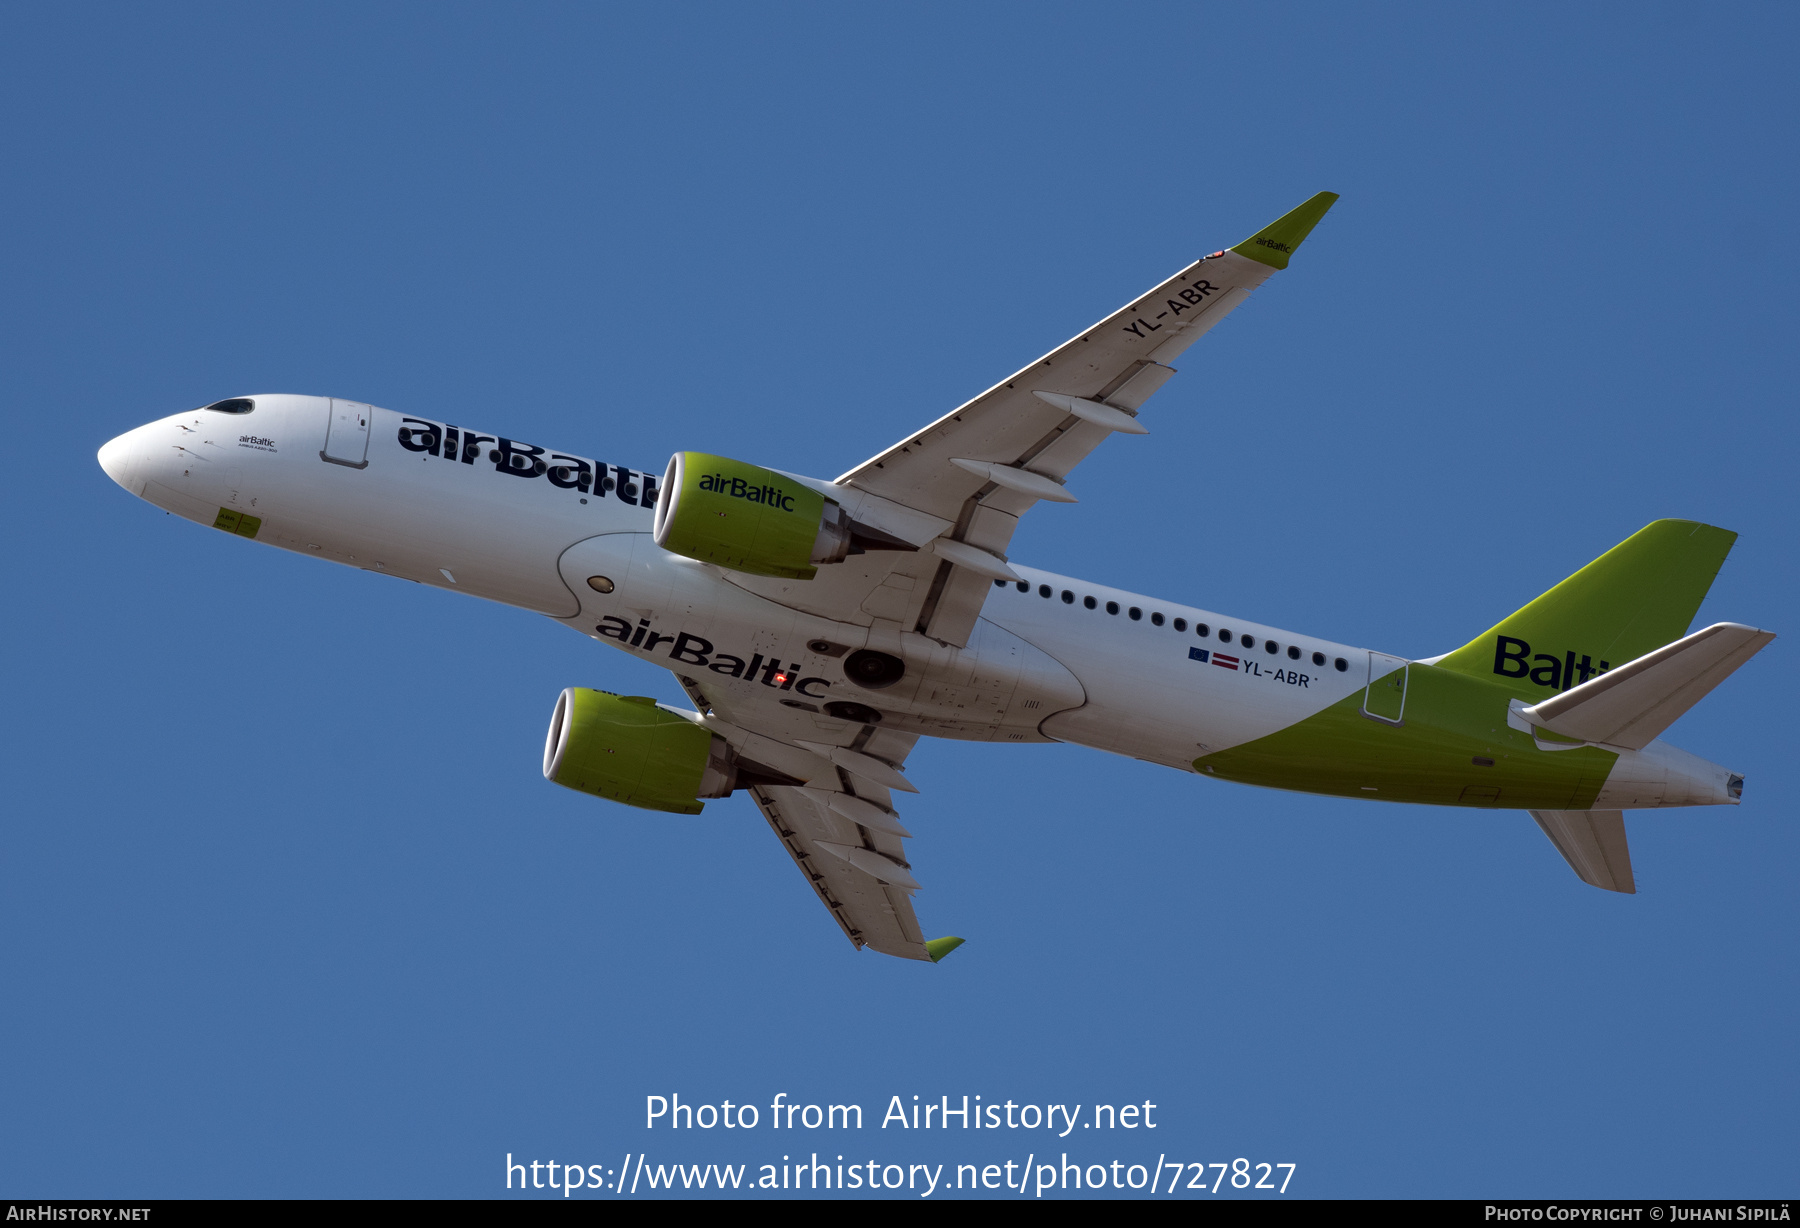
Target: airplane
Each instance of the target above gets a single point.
(821, 628)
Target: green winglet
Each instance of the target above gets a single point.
(1274, 243)
(937, 948)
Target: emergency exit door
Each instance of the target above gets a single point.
(1385, 698)
(347, 435)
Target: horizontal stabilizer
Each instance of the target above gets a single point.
(1633, 704)
(1593, 843)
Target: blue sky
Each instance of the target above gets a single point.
(289, 909)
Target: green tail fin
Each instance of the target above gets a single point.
(1636, 597)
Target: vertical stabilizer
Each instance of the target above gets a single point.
(1593, 843)
(1631, 600)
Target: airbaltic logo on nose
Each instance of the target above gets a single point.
(1513, 659)
(737, 488)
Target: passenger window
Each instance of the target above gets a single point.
(1224, 636)
(1156, 619)
(1272, 646)
(1089, 602)
(236, 405)
(1202, 630)
(997, 583)
(1248, 641)
(1024, 587)
(1293, 652)
(1180, 623)
(1341, 664)
(1318, 658)
(1136, 614)
(1069, 598)
(1112, 607)
(1043, 590)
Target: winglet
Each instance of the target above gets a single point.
(1274, 243)
(937, 948)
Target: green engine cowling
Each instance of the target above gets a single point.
(628, 749)
(747, 518)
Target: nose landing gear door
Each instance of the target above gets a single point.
(347, 436)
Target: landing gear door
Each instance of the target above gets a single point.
(1385, 698)
(347, 436)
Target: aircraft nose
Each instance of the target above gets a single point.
(119, 456)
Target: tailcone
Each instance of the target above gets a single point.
(1663, 775)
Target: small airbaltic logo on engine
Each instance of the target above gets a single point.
(737, 488)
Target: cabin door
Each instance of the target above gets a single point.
(347, 436)
(1385, 699)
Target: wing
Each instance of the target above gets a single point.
(975, 471)
(951, 496)
(872, 911)
(826, 788)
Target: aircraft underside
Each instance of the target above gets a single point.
(820, 628)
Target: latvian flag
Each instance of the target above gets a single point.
(1217, 658)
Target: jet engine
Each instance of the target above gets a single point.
(627, 748)
(748, 518)
(631, 749)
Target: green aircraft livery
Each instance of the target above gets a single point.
(820, 628)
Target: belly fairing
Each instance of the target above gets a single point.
(686, 617)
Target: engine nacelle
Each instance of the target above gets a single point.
(627, 748)
(748, 518)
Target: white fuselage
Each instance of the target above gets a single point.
(340, 481)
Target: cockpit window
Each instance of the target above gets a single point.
(236, 405)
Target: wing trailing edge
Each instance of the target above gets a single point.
(981, 466)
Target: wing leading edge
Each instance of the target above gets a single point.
(829, 798)
(976, 470)
(984, 464)
(840, 861)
